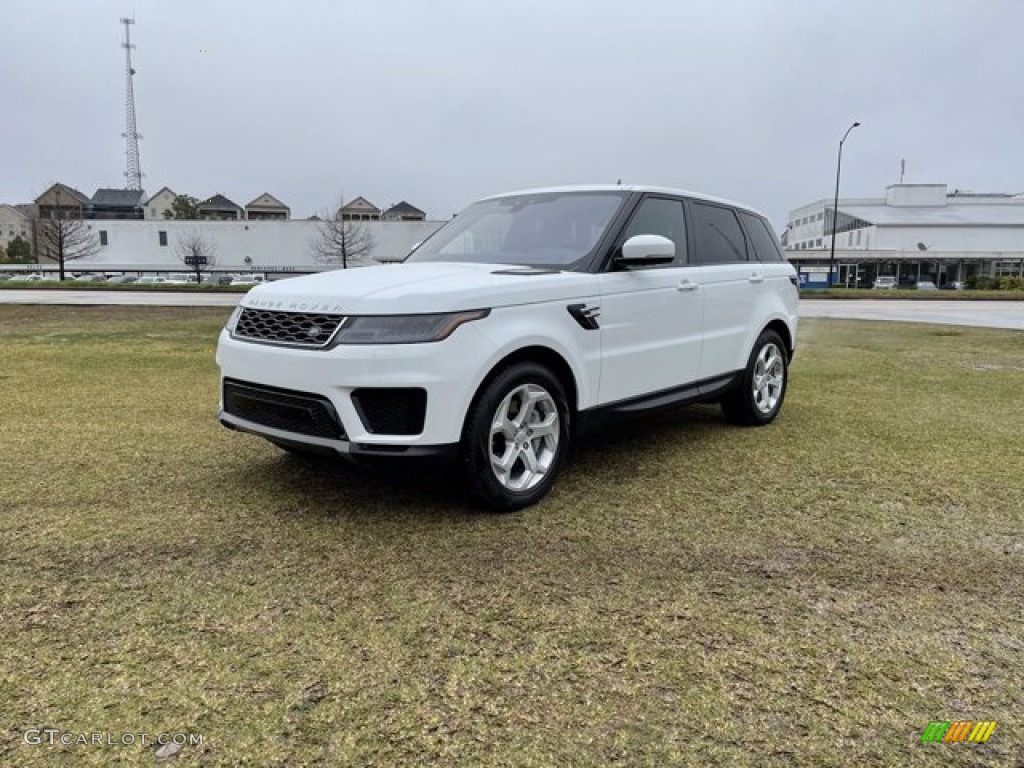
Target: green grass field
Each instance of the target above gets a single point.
(811, 593)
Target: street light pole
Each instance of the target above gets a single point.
(59, 237)
(835, 207)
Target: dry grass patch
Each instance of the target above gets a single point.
(811, 593)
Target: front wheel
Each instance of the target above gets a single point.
(757, 398)
(516, 438)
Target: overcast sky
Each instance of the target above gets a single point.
(439, 102)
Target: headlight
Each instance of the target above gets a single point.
(404, 329)
(229, 326)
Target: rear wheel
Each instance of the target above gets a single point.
(762, 388)
(516, 438)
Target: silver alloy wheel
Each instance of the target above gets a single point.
(523, 440)
(769, 377)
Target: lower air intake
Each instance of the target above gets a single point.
(391, 411)
(282, 409)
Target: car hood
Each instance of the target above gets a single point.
(396, 289)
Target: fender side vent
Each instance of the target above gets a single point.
(585, 316)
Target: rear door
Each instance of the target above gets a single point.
(778, 272)
(651, 317)
(731, 282)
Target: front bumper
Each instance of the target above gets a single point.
(448, 371)
(328, 446)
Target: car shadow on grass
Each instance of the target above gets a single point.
(620, 439)
(333, 487)
(329, 487)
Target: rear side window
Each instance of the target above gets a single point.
(718, 235)
(762, 239)
(660, 216)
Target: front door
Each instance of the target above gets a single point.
(849, 275)
(651, 319)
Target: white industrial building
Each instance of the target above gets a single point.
(270, 247)
(916, 232)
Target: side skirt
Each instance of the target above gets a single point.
(706, 391)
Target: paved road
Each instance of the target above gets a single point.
(121, 298)
(986, 314)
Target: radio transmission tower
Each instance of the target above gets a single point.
(133, 173)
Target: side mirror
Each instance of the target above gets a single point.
(646, 251)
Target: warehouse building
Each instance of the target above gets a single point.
(916, 232)
(275, 247)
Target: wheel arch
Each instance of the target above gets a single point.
(781, 328)
(545, 356)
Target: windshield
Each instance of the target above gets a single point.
(554, 229)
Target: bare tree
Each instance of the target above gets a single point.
(342, 241)
(64, 239)
(196, 252)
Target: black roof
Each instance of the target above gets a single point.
(404, 207)
(118, 198)
(218, 201)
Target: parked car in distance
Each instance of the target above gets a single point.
(956, 285)
(526, 316)
(90, 279)
(217, 278)
(121, 279)
(181, 278)
(885, 282)
(151, 280)
(30, 278)
(249, 279)
(925, 285)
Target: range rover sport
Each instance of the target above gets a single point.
(524, 315)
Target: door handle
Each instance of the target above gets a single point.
(756, 277)
(687, 286)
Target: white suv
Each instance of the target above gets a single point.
(522, 318)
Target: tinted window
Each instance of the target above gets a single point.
(766, 247)
(718, 235)
(657, 216)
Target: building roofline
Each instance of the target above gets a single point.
(159, 192)
(277, 203)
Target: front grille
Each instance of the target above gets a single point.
(303, 329)
(282, 409)
(391, 411)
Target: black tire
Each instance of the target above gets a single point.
(548, 442)
(747, 404)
